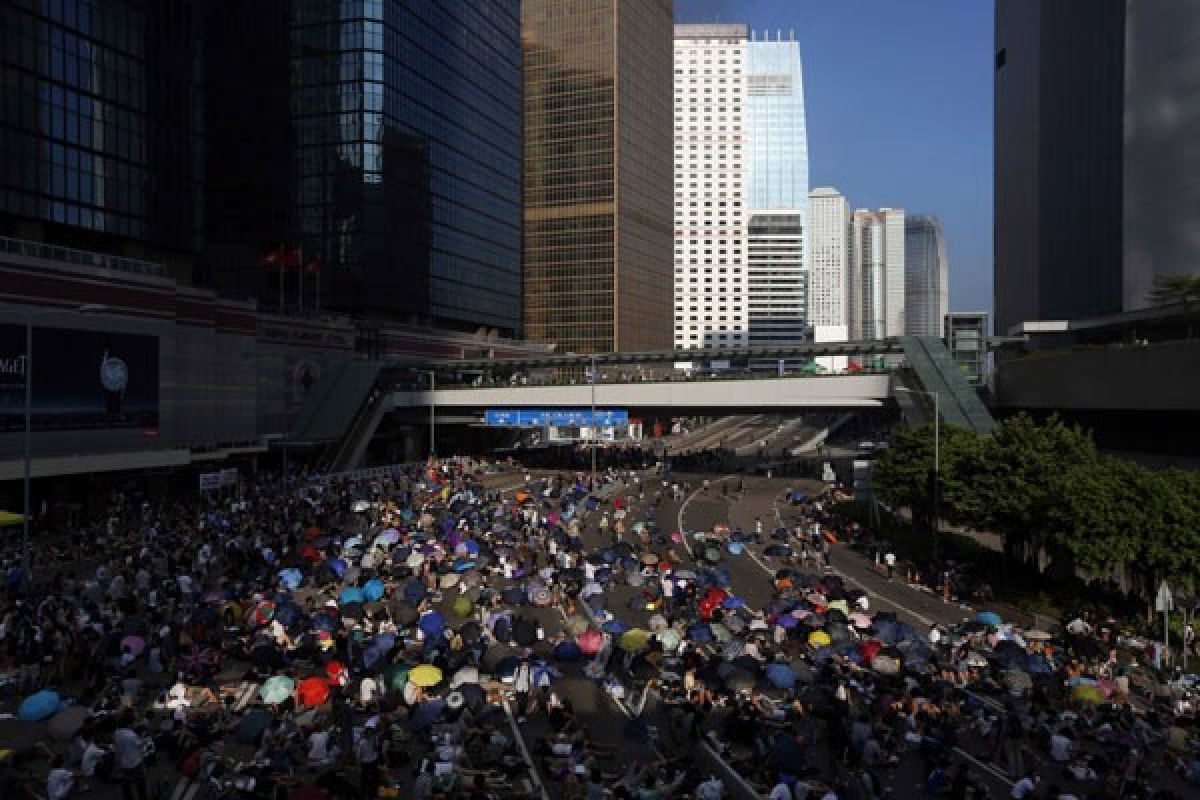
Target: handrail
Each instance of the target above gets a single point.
(87, 258)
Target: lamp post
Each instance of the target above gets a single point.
(593, 423)
(432, 410)
(1188, 605)
(87, 308)
(937, 477)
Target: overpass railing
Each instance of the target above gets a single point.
(521, 379)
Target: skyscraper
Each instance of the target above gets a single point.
(1058, 121)
(1161, 178)
(407, 121)
(741, 189)
(102, 127)
(877, 274)
(926, 276)
(829, 262)
(597, 213)
(711, 304)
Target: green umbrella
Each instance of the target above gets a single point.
(576, 624)
(634, 640)
(276, 689)
(397, 676)
(669, 638)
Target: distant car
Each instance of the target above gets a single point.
(866, 447)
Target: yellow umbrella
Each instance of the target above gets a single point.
(425, 676)
(819, 639)
(1087, 693)
(634, 640)
(9, 518)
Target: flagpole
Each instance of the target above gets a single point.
(300, 292)
(279, 272)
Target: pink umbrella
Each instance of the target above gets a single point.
(860, 620)
(590, 642)
(136, 645)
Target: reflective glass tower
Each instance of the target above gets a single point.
(776, 169)
(926, 276)
(407, 123)
(101, 126)
(597, 255)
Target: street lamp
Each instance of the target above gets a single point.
(937, 477)
(87, 308)
(593, 423)
(432, 409)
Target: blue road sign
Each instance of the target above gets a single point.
(509, 417)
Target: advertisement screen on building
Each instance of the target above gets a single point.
(82, 379)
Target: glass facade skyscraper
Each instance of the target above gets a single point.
(776, 131)
(776, 165)
(101, 125)
(926, 276)
(597, 255)
(407, 128)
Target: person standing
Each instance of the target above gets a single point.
(889, 560)
(130, 758)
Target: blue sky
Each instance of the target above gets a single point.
(898, 95)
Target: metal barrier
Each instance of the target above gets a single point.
(87, 258)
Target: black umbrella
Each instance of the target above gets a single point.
(524, 631)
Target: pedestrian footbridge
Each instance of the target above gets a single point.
(909, 371)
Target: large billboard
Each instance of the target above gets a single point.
(560, 417)
(82, 379)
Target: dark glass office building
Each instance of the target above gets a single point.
(1058, 159)
(101, 126)
(407, 164)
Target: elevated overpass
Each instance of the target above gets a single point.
(347, 414)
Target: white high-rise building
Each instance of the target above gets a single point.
(741, 189)
(877, 273)
(711, 307)
(829, 264)
(926, 276)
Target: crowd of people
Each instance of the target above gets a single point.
(393, 635)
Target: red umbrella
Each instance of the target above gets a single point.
(263, 613)
(336, 671)
(311, 553)
(590, 642)
(869, 649)
(312, 691)
(312, 532)
(712, 600)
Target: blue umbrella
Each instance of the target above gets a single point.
(787, 621)
(289, 614)
(291, 578)
(733, 602)
(989, 618)
(372, 590)
(39, 705)
(432, 624)
(351, 594)
(614, 626)
(700, 633)
(338, 566)
(426, 714)
(567, 651)
(781, 676)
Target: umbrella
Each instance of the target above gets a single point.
(425, 676)
(39, 705)
(388, 537)
(291, 578)
(372, 590)
(1038, 636)
(1017, 680)
(819, 639)
(860, 620)
(276, 689)
(614, 626)
(252, 725)
(464, 676)
(885, 664)
(396, 676)
(781, 676)
(590, 642)
(649, 559)
(432, 624)
(67, 722)
(739, 679)
(634, 640)
(351, 594)
(576, 624)
(1087, 693)
(567, 651)
(449, 580)
(989, 618)
(312, 691)
(670, 639)
(135, 644)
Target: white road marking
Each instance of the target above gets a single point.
(520, 740)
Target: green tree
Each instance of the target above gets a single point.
(1172, 289)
